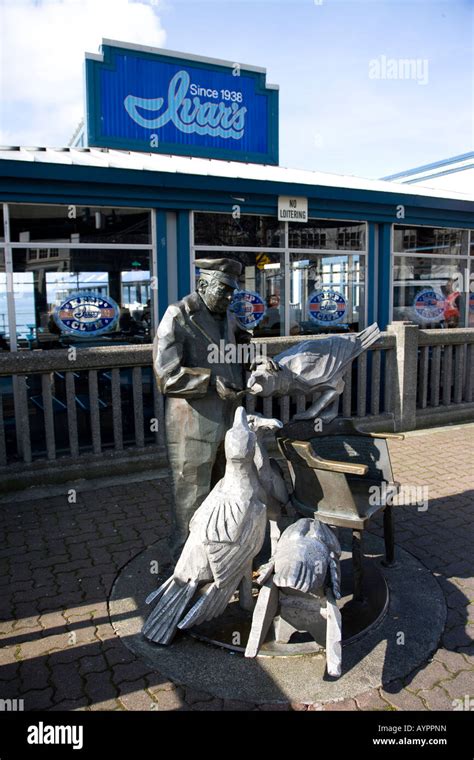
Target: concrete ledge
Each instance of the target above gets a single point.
(444, 415)
(15, 477)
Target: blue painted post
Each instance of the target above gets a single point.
(161, 244)
(384, 275)
(184, 253)
(371, 285)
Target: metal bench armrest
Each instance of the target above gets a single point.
(388, 436)
(304, 449)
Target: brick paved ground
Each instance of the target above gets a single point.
(58, 561)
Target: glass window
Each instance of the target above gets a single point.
(79, 224)
(249, 230)
(425, 240)
(262, 273)
(332, 236)
(2, 228)
(429, 291)
(470, 294)
(42, 284)
(327, 293)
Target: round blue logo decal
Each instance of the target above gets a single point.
(326, 306)
(85, 314)
(248, 307)
(429, 305)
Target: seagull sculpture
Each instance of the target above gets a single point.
(312, 367)
(226, 533)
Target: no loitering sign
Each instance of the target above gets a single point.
(292, 209)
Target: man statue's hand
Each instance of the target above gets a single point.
(228, 391)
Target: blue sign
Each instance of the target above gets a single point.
(326, 306)
(164, 102)
(86, 314)
(429, 305)
(248, 307)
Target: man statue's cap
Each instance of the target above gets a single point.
(226, 270)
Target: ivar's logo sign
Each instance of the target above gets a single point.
(191, 116)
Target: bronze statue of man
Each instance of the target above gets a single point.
(198, 412)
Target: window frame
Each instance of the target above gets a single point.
(467, 258)
(8, 246)
(286, 251)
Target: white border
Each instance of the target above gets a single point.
(177, 54)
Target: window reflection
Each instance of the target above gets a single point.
(426, 240)
(443, 278)
(78, 224)
(43, 284)
(332, 236)
(262, 274)
(326, 293)
(247, 230)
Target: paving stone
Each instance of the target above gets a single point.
(371, 700)
(106, 704)
(92, 664)
(460, 685)
(168, 699)
(344, 704)
(469, 657)
(41, 646)
(426, 676)
(53, 620)
(191, 696)
(67, 682)
(10, 689)
(453, 661)
(7, 655)
(129, 671)
(41, 699)
(99, 687)
(133, 696)
(104, 632)
(234, 705)
(34, 674)
(215, 705)
(50, 543)
(436, 699)
(115, 652)
(70, 705)
(401, 698)
(162, 685)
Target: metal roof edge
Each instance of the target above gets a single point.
(427, 167)
(178, 54)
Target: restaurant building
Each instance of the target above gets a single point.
(170, 175)
(178, 160)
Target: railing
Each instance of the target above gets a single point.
(69, 403)
(61, 408)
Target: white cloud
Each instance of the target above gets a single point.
(42, 46)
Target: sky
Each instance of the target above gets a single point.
(339, 111)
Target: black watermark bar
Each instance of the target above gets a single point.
(124, 734)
